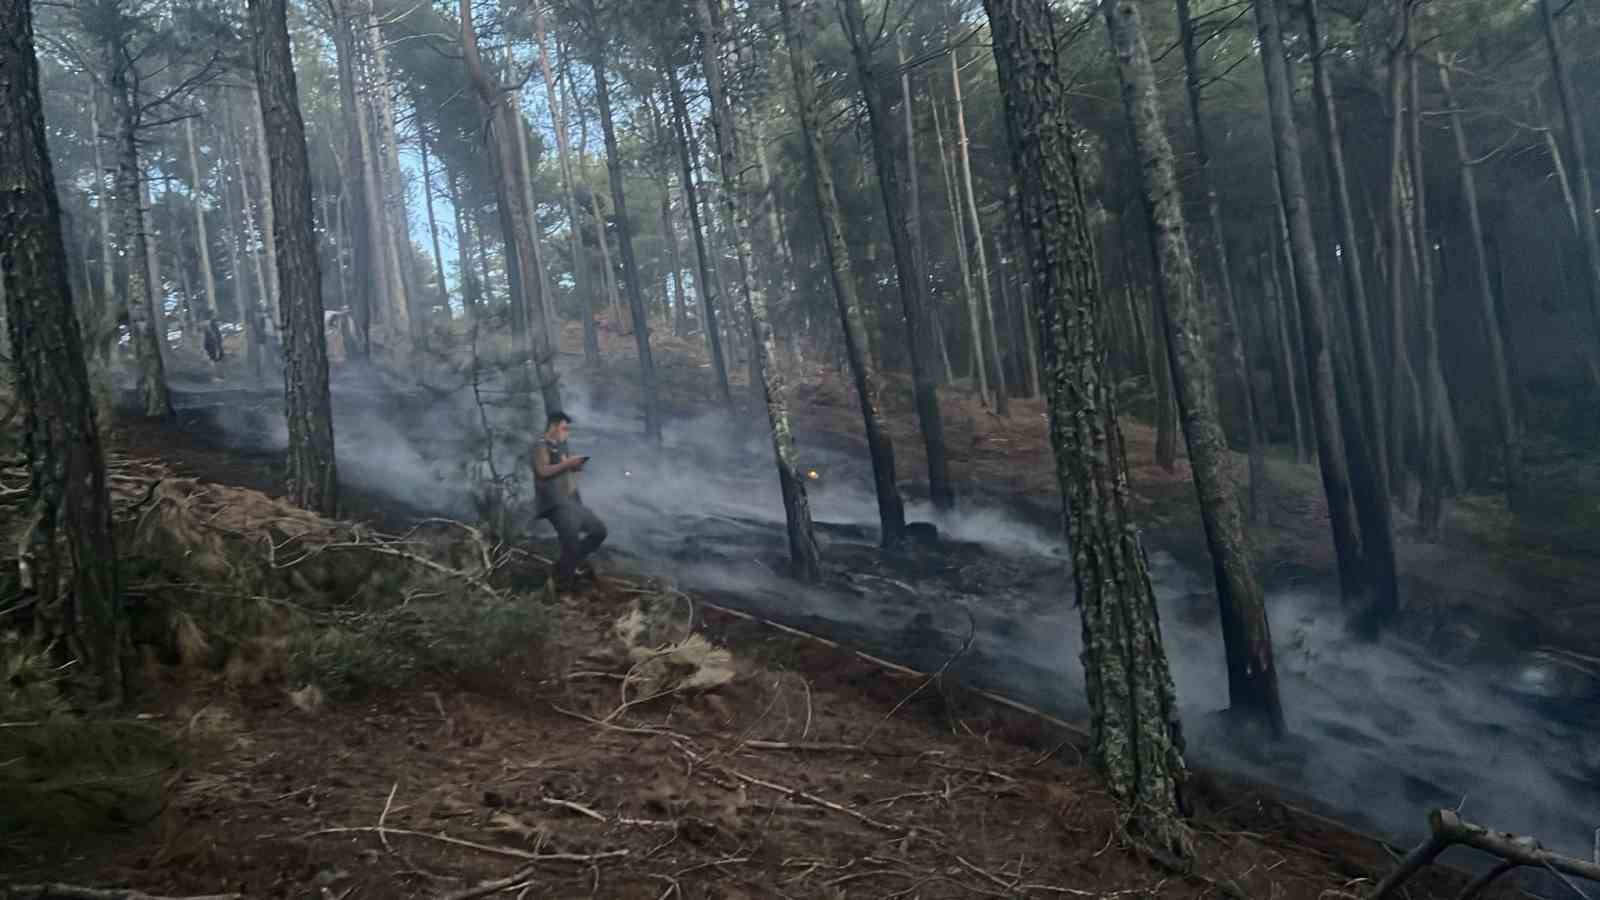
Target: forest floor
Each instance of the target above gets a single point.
(805, 771)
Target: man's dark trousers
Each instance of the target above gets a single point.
(580, 531)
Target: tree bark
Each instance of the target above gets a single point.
(1510, 434)
(1399, 361)
(464, 254)
(1354, 577)
(519, 233)
(1133, 709)
(1369, 463)
(924, 374)
(1252, 677)
(804, 558)
(669, 232)
(630, 266)
(580, 257)
(60, 438)
(1238, 349)
(1572, 114)
(145, 326)
(1002, 400)
(313, 478)
(880, 445)
(705, 277)
(152, 259)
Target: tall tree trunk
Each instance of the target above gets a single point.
(313, 478)
(1430, 501)
(1238, 351)
(152, 260)
(1368, 451)
(516, 218)
(705, 278)
(717, 41)
(1133, 708)
(202, 241)
(1353, 575)
(464, 253)
(980, 371)
(391, 180)
(433, 227)
(580, 257)
(1002, 403)
(269, 225)
(924, 374)
(880, 445)
(525, 173)
(241, 291)
(1288, 360)
(145, 326)
(379, 236)
(1399, 361)
(630, 266)
(607, 272)
(257, 311)
(1252, 677)
(1510, 434)
(1572, 114)
(680, 320)
(66, 466)
(368, 275)
(1284, 248)
(919, 246)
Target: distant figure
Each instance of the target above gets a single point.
(213, 341)
(555, 475)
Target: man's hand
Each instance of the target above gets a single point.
(574, 463)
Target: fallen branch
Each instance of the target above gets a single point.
(1514, 850)
(73, 892)
(473, 845)
(972, 632)
(803, 795)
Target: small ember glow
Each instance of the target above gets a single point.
(627, 474)
(811, 474)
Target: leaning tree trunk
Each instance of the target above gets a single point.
(630, 266)
(1002, 401)
(1369, 463)
(705, 279)
(804, 558)
(1399, 361)
(313, 478)
(1287, 361)
(1247, 642)
(924, 373)
(1572, 113)
(1133, 707)
(880, 445)
(145, 325)
(525, 175)
(518, 230)
(390, 180)
(1353, 575)
(66, 466)
(919, 246)
(1238, 349)
(1510, 434)
(580, 258)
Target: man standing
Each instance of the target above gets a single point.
(213, 341)
(555, 476)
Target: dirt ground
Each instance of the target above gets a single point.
(813, 773)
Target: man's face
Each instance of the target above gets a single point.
(559, 431)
